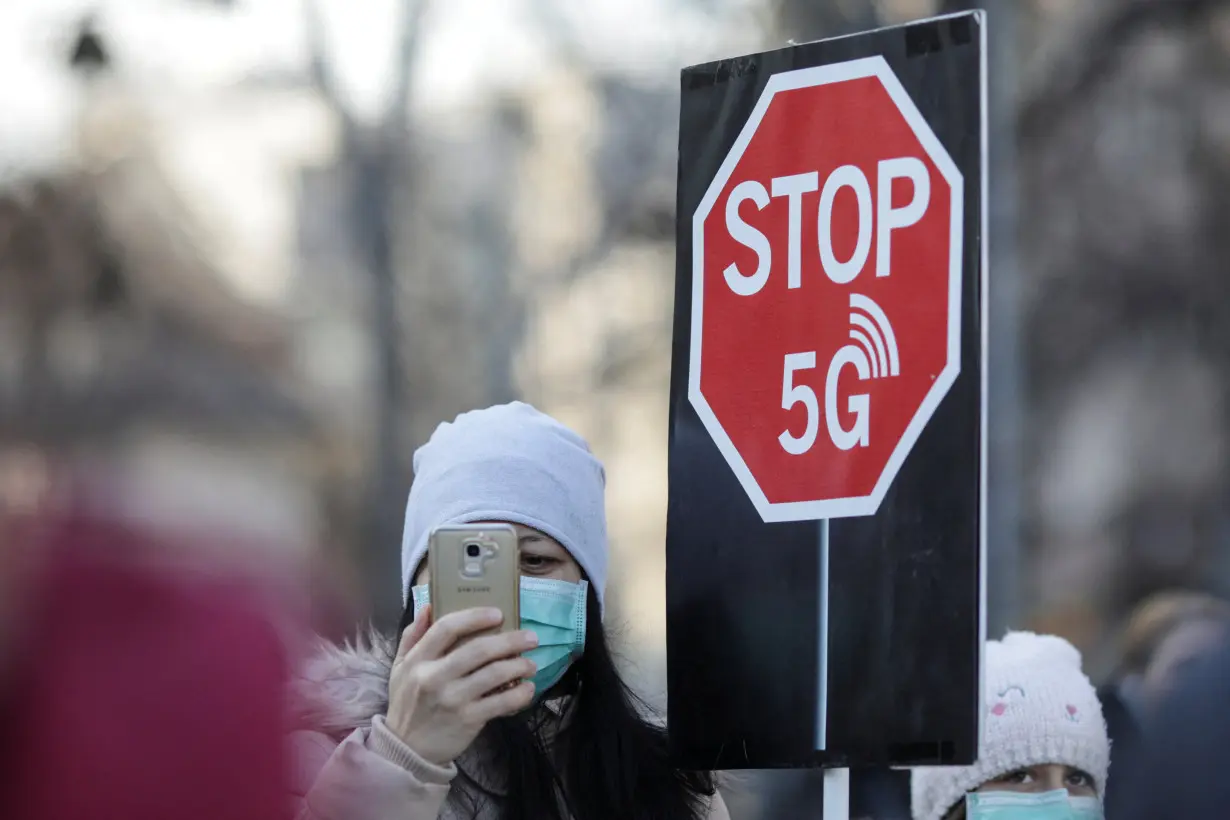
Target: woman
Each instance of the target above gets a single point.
(1044, 753)
(483, 731)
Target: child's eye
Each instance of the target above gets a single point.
(1021, 777)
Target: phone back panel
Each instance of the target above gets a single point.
(476, 565)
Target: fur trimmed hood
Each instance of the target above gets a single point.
(340, 688)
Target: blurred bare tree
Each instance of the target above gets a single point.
(436, 216)
(1126, 157)
(373, 161)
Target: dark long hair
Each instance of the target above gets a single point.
(609, 758)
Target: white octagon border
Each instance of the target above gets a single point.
(854, 506)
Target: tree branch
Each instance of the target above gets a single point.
(318, 69)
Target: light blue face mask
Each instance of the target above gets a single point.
(1054, 805)
(555, 612)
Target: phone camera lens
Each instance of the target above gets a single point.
(473, 550)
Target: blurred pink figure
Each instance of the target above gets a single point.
(135, 687)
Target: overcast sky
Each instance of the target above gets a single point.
(469, 46)
(234, 162)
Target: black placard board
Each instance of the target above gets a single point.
(825, 533)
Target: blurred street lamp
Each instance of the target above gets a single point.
(89, 55)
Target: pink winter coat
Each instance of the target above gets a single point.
(370, 774)
(138, 687)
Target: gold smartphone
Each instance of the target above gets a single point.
(475, 565)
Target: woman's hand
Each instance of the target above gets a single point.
(441, 695)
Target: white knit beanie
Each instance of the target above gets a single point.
(509, 463)
(1040, 709)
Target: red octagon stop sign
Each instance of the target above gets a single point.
(826, 297)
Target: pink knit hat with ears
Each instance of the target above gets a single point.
(1040, 709)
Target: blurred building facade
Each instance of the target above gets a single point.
(132, 373)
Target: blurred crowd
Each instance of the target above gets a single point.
(233, 308)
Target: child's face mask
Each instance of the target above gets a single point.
(1053, 805)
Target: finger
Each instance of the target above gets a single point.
(414, 633)
(444, 634)
(479, 652)
(494, 676)
(504, 703)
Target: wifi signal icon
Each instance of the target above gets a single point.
(873, 355)
(874, 334)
